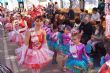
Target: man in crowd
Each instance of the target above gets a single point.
(86, 29)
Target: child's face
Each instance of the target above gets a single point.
(55, 30)
(66, 31)
(75, 40)
(94, 12)
(47, 23)
(38, 22)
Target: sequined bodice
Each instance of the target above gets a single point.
(66, 38)
(36, 40)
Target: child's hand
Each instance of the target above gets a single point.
(66, 57)
(90, 63)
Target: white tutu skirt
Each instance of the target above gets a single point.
(35, 59)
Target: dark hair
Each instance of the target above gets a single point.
(86, 11)
(1, 10)
(20, 14)
(77, 21)
(94, 9)
(56, 3)
(38, 17)
(68, 27)
(106, 43)
(62, 13)
(55, 27)
(82, 10)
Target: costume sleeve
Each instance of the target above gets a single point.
(84, 51)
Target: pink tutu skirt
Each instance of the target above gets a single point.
(35, 59)
(16, 38)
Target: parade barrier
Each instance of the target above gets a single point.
(4, 69)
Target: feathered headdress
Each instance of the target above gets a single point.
(37, 11)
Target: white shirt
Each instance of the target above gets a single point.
(95, 17)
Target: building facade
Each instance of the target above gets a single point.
(83, 4)
(13, 4)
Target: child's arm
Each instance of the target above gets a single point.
(88, 59)
(23, 29)
(84, 52)
(24, 47)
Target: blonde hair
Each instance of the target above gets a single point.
(77, 34)
(46, 20)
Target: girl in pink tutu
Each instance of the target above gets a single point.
(34, 54)
(19, 28)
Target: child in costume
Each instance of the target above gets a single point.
(75, 61)
(48, 31)
(107, 56)
(34, 54)
(66, 37)
(64, 45)
(76, 25)
(46, 26)
(19, 28)
(54, 43)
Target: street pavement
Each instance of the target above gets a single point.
(7, 57)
